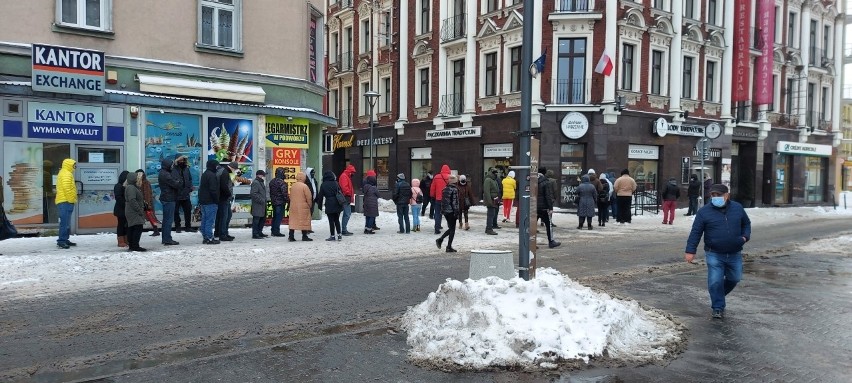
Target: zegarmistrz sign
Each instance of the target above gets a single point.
(67, 70)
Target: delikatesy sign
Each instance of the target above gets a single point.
(65, 122)
(67, 70)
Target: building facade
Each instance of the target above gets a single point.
(447, 74)
(845, 149)
(118, 89)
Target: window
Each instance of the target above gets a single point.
(823, 107)
(778, 16)
(689, 9)
(660, 4)
(491, 74)
(656, 72)
(791, 29)
(687, 76)
(424, 16)
(710, 85)
(333, 103)
(347, 59)
(334, 49)
(366, 45)
(812, 40)
(364, 109)
(776, 93)
(346, 114)
(424, 86)
(219, 25)
(571, 72)
(385, 38)
(712, 10)
(627, 66)
(826, 40)
(789, 92)
(515, 69)
(88, 14)
(491, 5)
(386, 105)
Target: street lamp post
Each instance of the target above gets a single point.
(371, 96)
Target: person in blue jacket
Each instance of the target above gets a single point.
(726, 228)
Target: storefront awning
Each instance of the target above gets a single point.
(201, 89)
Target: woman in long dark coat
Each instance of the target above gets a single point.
(134, 210)
(588, 194)
(118, 209)
(328, 192)
(371, 204)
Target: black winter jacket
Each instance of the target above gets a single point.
(208, 190)
(671, 192)
(328, 193)
(184, 180)
(168, 185)
(450, 199)
(694, 189)
(278, 193)
(402, 193)
(226, 186)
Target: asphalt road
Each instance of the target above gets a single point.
(337, 323)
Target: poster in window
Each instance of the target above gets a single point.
(230, 140)
(23, 182)
(170, 136)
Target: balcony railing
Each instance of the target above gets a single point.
(346, 4)
(575, 5)
(570, 91)
(345, 61)
(344, 119)
(817, 120)
(819, 58)
(453, 28)
(451, 104)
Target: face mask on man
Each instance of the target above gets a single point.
(717, 201)
(182, 164)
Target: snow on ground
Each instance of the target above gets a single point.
(490, 322)
(32, 267)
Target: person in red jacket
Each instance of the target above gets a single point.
(345, 181)
(436, 191)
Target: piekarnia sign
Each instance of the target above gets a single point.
(67, 70)
(473, 131)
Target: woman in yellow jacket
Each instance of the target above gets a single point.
(66, 198)
(510, 186)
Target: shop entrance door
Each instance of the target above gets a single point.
(98, 168)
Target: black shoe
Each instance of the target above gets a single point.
(490, 232)
(70, 243)
(278, 235)
(263, 235)
(63, 245)
(291, 239)
(497, 227)
(451, 250)
(437, 232)
(553, 244)
(438, 242)
(332, 238)
(139, 249)
(552, 224)
(579, 227)
(256, 237)
(718, 314)
(400, 232)
(346, 233)
(171, 243)
(210, 242)
(155, 234)
(368, 231)
(375, 228)
(190, 229)
(177, 230)
(306, 239)
(590, 227)
(226, 238)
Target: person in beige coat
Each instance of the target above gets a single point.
(301, 200)
(624, 188)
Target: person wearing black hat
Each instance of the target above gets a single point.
(491, 200)
(726, 228)
(208, 198)
(226, 198)
(259, 198)
(402, 196)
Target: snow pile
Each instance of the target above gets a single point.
(837, 245)
(535, 324)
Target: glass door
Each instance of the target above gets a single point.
(782, 177)
(97, 173)
(29, 175)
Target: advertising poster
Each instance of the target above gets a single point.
(283, 132)
(172, 135)
(290, 160)
(230, 140)
(23, 182)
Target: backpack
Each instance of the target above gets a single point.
(603, 195)
(419, 198)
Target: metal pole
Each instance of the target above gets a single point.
(371, 135)
(523, 178)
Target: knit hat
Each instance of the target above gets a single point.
(260, 173)
(718, 188)
(400, 176)
(603, 176)
(462, 177)
(591, 171)
(453, 179)
(625, 171)
(371, 172)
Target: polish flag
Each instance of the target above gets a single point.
(605, 65)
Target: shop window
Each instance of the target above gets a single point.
(644, 172)
(87, 14)
(571, 157)
(814, 179)
(782, 178)
(219, 24)
(382, 164)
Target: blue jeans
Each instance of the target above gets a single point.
(723, 273)
(168, 220)
(223, 219)
(402, 217)
(613, 203)
(370, 223)
(65, 211)
(415, 214)
(347, 212)
(693, 205)
(208, 218)
(437, 214)
(277, 216)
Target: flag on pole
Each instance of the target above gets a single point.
(605, 64)
(538, 65)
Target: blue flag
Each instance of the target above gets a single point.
(539, 62)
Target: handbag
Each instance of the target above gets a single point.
(341, 199)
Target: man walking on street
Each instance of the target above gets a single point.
(226, 197)
(348, 190)
(436, 191)
(168, 195)
(544, 207)
(402, 196)
(624, 186)
(426, 186)
(490, 198)
(208, 198)
(66, 198)
(693, 191)
(726, 228)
